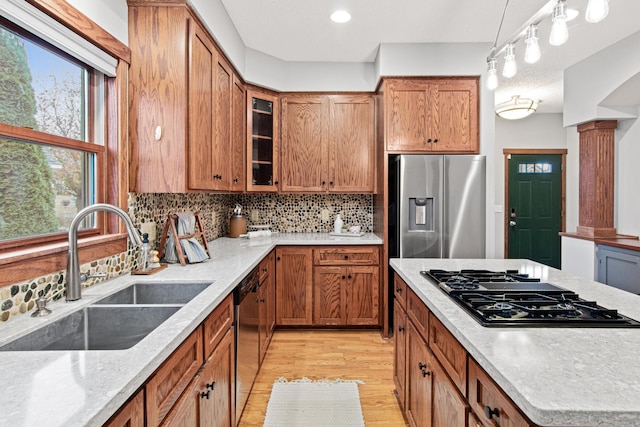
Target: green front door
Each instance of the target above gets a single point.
(535, 207)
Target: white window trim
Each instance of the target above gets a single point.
(31, 19)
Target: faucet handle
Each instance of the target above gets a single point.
(86, 276)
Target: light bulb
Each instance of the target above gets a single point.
(559, 30)
(532, 54)
(510, 68)
(597, 10)
(492, 74)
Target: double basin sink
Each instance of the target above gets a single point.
(116, 322)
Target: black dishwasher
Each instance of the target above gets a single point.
(247, 339)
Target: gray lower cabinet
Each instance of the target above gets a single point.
(618, 267)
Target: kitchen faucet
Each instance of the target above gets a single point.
(74, 278)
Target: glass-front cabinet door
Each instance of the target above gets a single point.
(262, 140)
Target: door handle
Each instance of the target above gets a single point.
(512, 223)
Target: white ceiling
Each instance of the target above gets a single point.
(300, 30)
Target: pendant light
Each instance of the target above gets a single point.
(492, 74)
(510, 68)
(532, 54)
(559, 30)
(597, 10)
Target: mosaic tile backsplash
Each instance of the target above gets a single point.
(284, 212)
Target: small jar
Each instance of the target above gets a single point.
(237, 226)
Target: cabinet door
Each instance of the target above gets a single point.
(131, 414)
(406, 116)
(294, 280)
(238, 142)
(216, 386)
(304, 143)
(329, 287)
(222, 152)
(449, 408)
(455, 125)
(362, 295)
(262, 142)
(201, 110)
(400, 352)
(352, 144)
(418, 401)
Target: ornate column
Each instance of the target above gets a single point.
(595, 216)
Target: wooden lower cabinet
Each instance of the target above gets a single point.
(346, 295)
(131, 414)
(492, 407)
(267, 302)
(400, 354)
(294, 279)
(209, 401)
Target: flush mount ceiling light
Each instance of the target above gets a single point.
(557, 12)
(517, 108)
(340, 16)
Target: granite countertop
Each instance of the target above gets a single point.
(84, 388)
(557, 376)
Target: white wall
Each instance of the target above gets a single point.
(535, 131)
(627, 177)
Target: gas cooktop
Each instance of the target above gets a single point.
(511, 298)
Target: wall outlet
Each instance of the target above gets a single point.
(255, 215)
(325, 214)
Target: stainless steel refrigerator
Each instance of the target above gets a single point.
(437, 206)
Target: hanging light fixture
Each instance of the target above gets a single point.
(597, 10)
(492, 74)
(510, 68)
(532, 53)
(559, 30)
(517, 108)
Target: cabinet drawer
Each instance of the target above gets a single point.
(400, 290)
(418, 313)
(171, 379)
(450, 353)
(217, 324)
(366, 255)
(263, 267)
(487, 400)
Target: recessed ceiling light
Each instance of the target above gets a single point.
(340, 16)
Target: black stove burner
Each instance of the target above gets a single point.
(511, 298)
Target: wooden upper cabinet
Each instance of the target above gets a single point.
(352, 144)
(238, 142)
(262, 141)
(181, 91)
(431, 115)
(328, 143)
(304, 143)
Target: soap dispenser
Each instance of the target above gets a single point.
(337, 225)
(145, 253)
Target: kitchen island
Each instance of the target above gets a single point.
(556, 376)
(85, 388)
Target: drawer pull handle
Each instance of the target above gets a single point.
(425, 373)
(399, 290)
(205, 394)
(489, 413)
(421, 365)
(211, 385)
(400, 328)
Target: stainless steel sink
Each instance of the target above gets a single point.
(96, 327)
(156, 293)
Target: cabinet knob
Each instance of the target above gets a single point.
(400, 328)
(205, 394)
(346, 257)
(399, 290)
(262, 300)
(323, 183)
(235, 180)
(211, 385)
(349, 277)
(275, 182)
(330, 182)
(489, 413)
(435, 140)
(278, 258)
(343, 277)
(429, 140)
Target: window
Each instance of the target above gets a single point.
(51, 144)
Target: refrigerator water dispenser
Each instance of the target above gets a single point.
(421, 214)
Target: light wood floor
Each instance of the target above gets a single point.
(319, 354)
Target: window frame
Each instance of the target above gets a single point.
(32, 257)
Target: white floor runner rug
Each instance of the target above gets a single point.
(306, 403)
